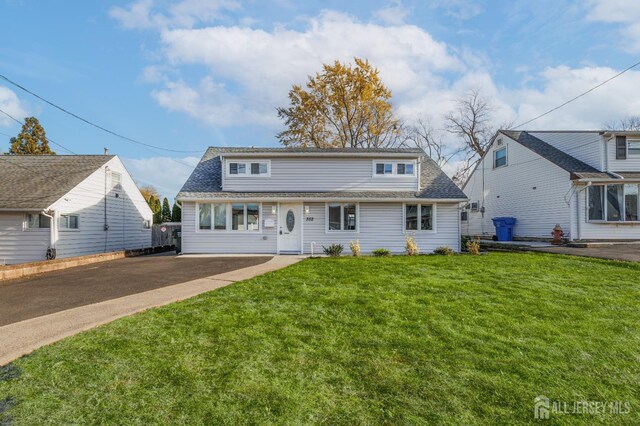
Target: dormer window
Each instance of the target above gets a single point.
(399, 168)
(249, 168)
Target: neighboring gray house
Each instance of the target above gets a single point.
(585, 181)
(68, 205)
(288, 200)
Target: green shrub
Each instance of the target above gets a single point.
(381, 252)
(334, 250)
(444, 251)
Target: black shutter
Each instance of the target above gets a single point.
(621, 147)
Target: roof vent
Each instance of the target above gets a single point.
(499, 142)
(106, 151)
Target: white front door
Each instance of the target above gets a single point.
(290, 228)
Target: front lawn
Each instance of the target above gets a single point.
(399, 340)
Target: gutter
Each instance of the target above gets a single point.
(325, 199)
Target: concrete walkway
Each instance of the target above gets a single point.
(23, 337)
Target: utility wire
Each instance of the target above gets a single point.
(104, 129)
(48, 139)
(576, 97)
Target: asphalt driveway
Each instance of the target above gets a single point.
(61, 290)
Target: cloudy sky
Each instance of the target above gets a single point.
(188, 74)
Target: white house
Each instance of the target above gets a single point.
(585, 181)
(294, 200)
(68, 205)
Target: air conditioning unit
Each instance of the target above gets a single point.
(475, 206)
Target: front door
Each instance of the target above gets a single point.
(290, 228)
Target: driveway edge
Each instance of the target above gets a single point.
(23, 337)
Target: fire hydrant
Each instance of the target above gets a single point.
(557, 235)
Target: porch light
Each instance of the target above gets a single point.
(306, 209)
(273, 209)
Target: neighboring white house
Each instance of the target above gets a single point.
(69, 205)
(585, 181)
(286, 200)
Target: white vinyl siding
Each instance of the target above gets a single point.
(630, 164)
(531, 189)
(585, 146)
(18, 245)
(126, 214)
(227, 241)
(319, 174)
(382, 225)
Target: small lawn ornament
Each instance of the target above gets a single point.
(557, 235)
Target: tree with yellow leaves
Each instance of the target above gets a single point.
(32, 140)
(344, 106)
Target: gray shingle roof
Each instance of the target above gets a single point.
(550, 152)
(34, 182)
(206, 180)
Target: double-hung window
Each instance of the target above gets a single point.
(633, 147)
(35, 221)
(500, 157)
(418, 217)
(69, 221)
(342, 217)
(613, 203)
(245, 217)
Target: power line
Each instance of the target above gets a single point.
(104, 129)
(48, 139)
(577, 97)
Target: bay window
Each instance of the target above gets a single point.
(418, 217)
(613, 203)
(342, 217)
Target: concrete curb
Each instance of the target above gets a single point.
(23, 337)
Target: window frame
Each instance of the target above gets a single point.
(394, 169)
(66, 229)
(506, 157)
(117, 185)
(605, 210)
(228, 218)
(247, 168)
(434, 222)
(629, 153)
(25, 222)
(341, 230)
(147, 223)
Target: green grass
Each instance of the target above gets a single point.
(430, 339)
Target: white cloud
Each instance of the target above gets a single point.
(145, 14)
(623, 12)
(153, 171)
(11, 104)
(609, 102)
(394, 14)
(262, 65)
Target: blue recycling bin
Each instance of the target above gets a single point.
(504, 227)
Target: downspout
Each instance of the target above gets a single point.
(53, 234)
(106, 223)
(578, 228)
